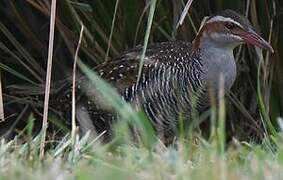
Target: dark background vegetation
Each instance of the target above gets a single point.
(24, 30)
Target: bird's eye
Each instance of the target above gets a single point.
(230, 26)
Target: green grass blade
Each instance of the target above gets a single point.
(121, 107)
(265, 115)
(147, 33)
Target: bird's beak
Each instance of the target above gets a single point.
(251, 37)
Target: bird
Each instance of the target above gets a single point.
(173, 73)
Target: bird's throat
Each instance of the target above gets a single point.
(217, 61)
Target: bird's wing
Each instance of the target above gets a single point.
(122, 72)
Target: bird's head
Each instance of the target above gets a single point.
(228, 29)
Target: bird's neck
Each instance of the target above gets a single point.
(218, 60)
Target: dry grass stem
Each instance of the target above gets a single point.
(2, 117)
(73, 136)
(48, 78)
(184, 13)
(112, 29)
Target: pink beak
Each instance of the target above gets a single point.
(253, 38)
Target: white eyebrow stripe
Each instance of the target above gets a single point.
(221, 18)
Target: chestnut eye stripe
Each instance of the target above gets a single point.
(226, 20)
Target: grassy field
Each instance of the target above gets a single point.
(244, 141)
(90, 160)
